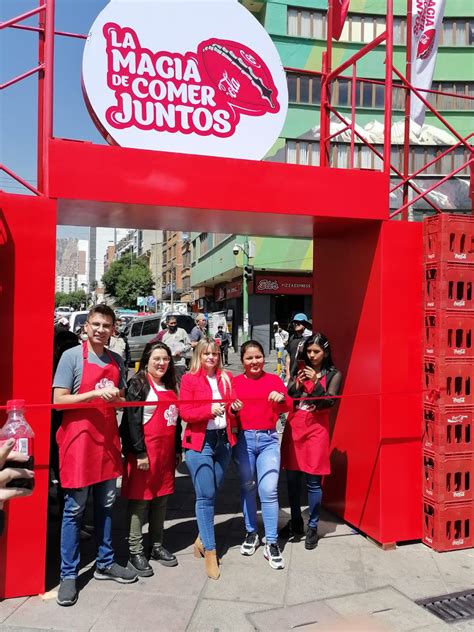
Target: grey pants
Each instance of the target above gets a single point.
(140, 512)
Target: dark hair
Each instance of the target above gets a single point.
(63, 340)
(169, 378)
(102, 309)
(248, 344)
(320, 340)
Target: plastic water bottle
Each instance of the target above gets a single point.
(16, 427)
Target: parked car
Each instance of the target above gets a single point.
(77, 320)
(143, 329)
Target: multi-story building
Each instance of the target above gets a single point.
(72, 265)
(175, 264)
(66, 284)
(298, 29)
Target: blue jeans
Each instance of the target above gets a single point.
(257, 456)
(315, 494)
(74, 505)
(207, 469)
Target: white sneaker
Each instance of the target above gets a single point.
(272, 553)
(250, 544)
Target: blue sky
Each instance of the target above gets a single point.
(18, 53)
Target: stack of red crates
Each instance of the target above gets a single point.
(448, 371)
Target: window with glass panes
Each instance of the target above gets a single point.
(304, 152)
(364, 28)
(305, 88)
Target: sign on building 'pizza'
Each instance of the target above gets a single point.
(187, 76)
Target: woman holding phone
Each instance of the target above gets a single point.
(209, 407)
(305, 446)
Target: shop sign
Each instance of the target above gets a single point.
(279, 284)
(219, 294)
(191, 76)
(233, 290)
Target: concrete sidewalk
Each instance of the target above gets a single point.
(346, 583)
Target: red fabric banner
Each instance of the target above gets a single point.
(339, 14)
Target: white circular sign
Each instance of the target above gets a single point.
(191, 76)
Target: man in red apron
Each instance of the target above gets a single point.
(89, 449)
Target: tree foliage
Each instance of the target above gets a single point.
(127, 279)
(74, 300)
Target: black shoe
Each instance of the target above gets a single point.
(116, 573)
(67, 593)
(311, 541)
(161, 555)
(292, 529)
(140, 565)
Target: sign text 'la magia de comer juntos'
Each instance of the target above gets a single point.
(191, 93)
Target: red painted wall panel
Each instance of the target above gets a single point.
(27, 266)
(368, 301)
(179, 187)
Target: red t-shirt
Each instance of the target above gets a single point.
(262, 414)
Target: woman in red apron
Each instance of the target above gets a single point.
(305, 446)
(151, 442)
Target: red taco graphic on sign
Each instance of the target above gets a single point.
(239, 75)
(426, 43)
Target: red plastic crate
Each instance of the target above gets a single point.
(447, 429)
(447, 478)
(448, 527)
(448, 382)
(449, 334)
(448, 237)
(449, 286)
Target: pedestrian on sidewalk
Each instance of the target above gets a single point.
(301, 331)
(198, 332)
(305, 445)
(89, 449)
(209, 407)
(257, 452)
(151, 443)
(280, 336)
(223, 338)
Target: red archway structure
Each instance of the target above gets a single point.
(367, 279)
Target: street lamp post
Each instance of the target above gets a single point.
(247, 274)
(245, 290)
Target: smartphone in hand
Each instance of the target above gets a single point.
(301, 364)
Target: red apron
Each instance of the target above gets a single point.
(305, 445)
(88, 439)
(159, 433)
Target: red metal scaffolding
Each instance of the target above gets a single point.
(46, 35)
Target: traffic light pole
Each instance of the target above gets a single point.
(245, 290)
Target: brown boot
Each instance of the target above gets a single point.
(212, 568)
(198, 548)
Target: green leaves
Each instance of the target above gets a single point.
(127, 279)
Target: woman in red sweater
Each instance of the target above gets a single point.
(257, 453)
(209, 407)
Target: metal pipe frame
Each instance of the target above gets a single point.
(432, 188)
(44, 70)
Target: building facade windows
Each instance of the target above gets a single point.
(364, 28)
(306, 89)
(307, 153)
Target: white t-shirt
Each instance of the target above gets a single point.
(217, 423)
(151, 397)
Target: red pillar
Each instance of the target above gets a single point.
(368, 287)
(27, 272)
